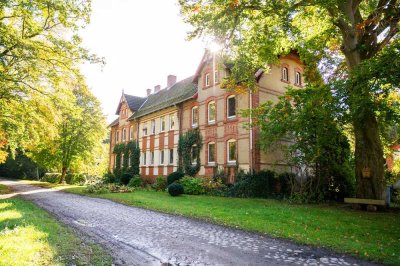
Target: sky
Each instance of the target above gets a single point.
(142, 43)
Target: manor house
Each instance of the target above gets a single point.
(156, 121)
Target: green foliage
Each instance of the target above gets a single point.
(192, 185)
(135, 181)
(190, 143)
(21, 166)
(258, 185)
(213, 186)
(75, 179)
(109, 178)
(175, 189)
(51, 178)
(36, 63)
(130, 150)
(100, 188)
(174, 176)
(160, 184)
(133, 150)
(125, 178)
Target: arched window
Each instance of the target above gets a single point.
(211, 112)
(231, 151)
(285, 76)
(131, 133)
(211, 152)
(123, 134)
(231, 107)
(298, 78)
(194, 154)
(195, 116)
(207, 79)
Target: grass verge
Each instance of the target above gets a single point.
(4, 189)
(30, 236)
(372, 236)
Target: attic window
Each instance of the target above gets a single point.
(298, 78)
(285, 76)
(207, 81)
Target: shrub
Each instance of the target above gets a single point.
(261, 184)
(175, 189)
(75, 179)
(174, 176)
(113, 188)
(125, 178)
(213, 186)
(160, 184)
(96, 189)
(135, 181)
(51, 177)
(109, 178)
(192, 185)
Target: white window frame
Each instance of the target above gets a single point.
(115, 161)
(208, 153)
(144, 129)
(208, 112)
(227, 107)
(153, 126)
(207, 79)
(171, 121)
(215, 76)
(298, 78)
(130, 133)
(162, 157)
(228, 149)
(171, 152)
(122, 160)
(162, 124)
(123, 134)
(194, 125)
(152, 158)
(129, 160)
(285, 74)
(191, 154)
(144, 158)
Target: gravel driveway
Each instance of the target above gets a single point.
(136, 236)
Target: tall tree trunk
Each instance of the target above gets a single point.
(63, 174)
(369, 159)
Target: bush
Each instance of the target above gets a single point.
(51, 177)
(135, 181)
(125, 178)
(109, 178)
(213, 186)
(192, 185)
(160, 184)
(261, 185)
(107, 188)
(175, 189)
(174, 176)
(75, 179)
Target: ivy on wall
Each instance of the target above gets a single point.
(190, 143)
(130, 150)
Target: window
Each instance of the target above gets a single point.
(231, 102)
(231, 151)
(162, 157)
(211, 112)
(298, 78)
(162, 123)
(152, 158)
(153, 126)
(115, 161)
(117, 136)
(194, 154)
(129, 160)
(144, 158)
(211, 152)
(285, 76)
(171, 122)
(195, 116)
(215, 76)
(171, 156)
(122, 160)
(145, 130)
(207, 79)
(131, 133)
(124, 134)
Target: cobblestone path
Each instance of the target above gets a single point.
(136, 236)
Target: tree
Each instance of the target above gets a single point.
(39, 48)
(342, 32)
(80, 132)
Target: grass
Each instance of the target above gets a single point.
(30, 236)
(4, 189)
(372, 236)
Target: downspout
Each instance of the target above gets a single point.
(251, 131)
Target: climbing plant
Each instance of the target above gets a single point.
(133, 151)
(130, 151)
(118, 150)
(190, 143)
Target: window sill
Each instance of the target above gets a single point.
(232, 163)
(211, 164)
(285, 81)
(231, 120)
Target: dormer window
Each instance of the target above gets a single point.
(285, 74)
(298, 78)
(207, 79)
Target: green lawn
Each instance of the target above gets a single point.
(30, 236)
(373, 236)
(4, 189)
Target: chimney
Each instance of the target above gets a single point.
(157, 88)
(148, 92)
(171, 80)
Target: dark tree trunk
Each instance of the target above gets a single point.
(63, 174)
(369, 159)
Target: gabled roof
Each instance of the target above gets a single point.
(179, 92)
(114, 123)
(134, 102)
